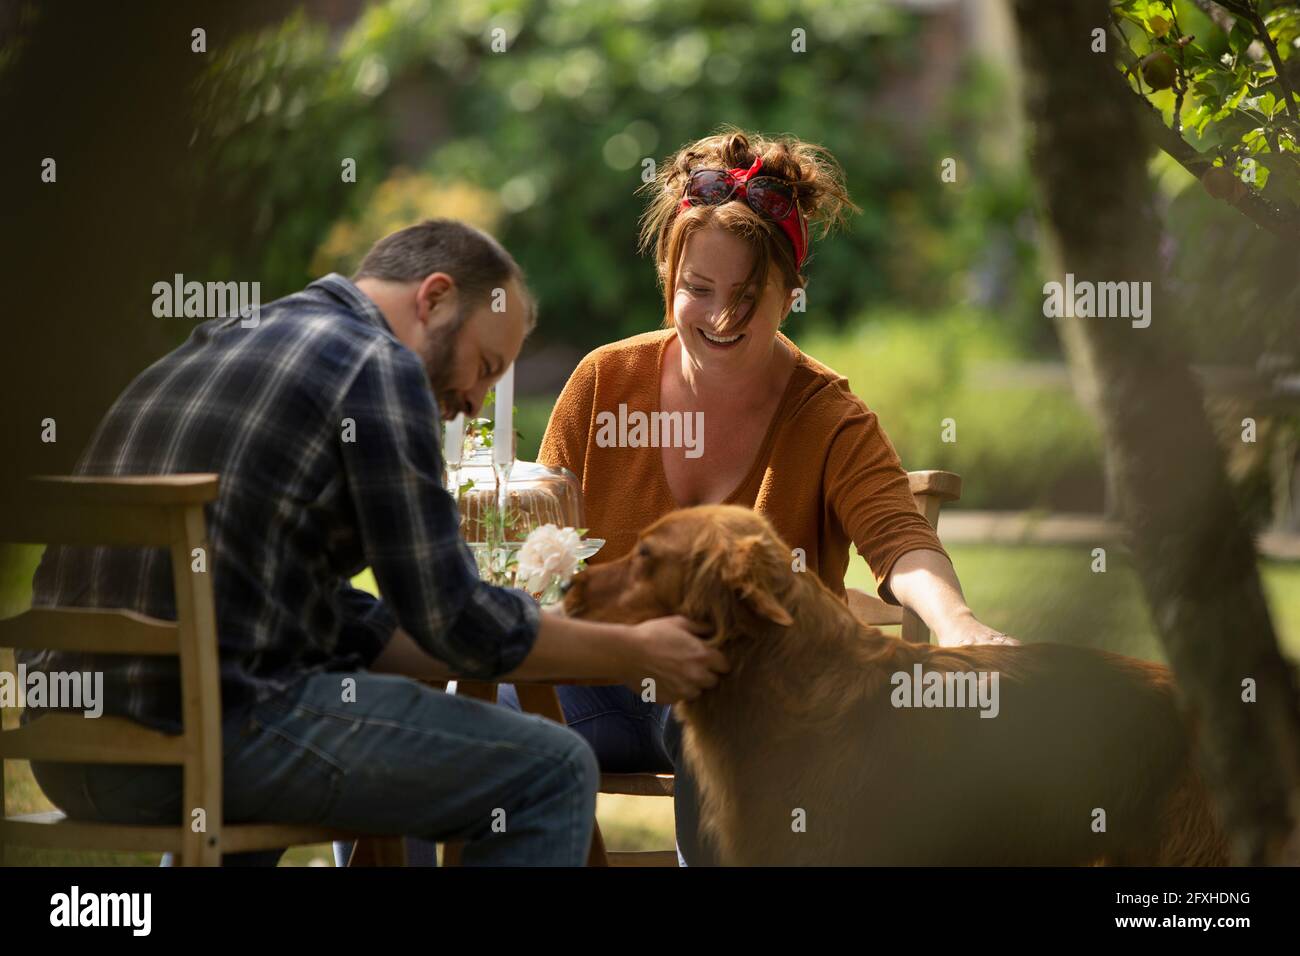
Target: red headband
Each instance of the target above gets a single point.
(793, 225)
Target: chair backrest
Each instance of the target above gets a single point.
(932, 490)
(163, 511)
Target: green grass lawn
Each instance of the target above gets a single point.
(1035, 593)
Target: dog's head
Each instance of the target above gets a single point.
(716, 564)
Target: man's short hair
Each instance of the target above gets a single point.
(477, 262)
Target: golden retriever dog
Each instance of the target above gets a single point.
(832, 743)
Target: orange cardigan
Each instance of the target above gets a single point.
(826, 475)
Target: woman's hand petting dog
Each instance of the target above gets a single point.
(669, 651)
(967, 631)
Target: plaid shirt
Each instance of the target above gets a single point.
(307, 500)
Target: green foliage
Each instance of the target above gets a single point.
(1240, 290)
(1018, 443)
(279, 113)
(1240, 303)
(976, 244)
(1227, 95)
(531, 415)
(545, 144)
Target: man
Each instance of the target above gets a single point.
(321, 420)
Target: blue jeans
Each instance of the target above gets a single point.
(404, 759)
(630, 735)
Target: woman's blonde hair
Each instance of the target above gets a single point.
(665, 227)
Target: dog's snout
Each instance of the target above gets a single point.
(564, 588)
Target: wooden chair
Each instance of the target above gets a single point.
(146, 511)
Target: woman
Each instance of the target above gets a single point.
(781, 433)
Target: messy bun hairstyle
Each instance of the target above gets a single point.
(665, 227)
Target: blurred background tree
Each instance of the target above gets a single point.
(1192, 549)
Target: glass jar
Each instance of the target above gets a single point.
(535, 494)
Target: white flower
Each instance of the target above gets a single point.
(549, 554)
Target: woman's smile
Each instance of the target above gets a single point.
(720, 342)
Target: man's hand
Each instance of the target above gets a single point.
(669, 651)
(966, 631)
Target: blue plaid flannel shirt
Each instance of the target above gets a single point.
(301, 510)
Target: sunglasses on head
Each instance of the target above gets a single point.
(769, 196)
(766, 195)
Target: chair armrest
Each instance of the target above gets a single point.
(871, 610)
(940, 485)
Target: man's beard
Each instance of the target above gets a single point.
(440, 363)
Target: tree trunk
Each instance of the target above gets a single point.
(1193, 554)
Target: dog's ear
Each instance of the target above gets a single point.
(751, 569)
